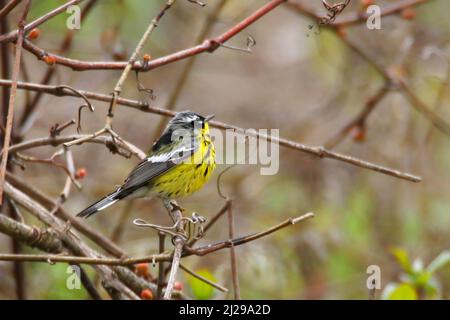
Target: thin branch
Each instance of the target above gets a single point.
(203, 279)
(50, 204)
(208, 45)
(422, 108)
(27, 118)
(12, 97)
(386, 10)
(8, 7)
(211, 222)
(360, 119)
(137, 51)
(178, 242)
(160, 281)
(233, 260)
(13, 35)
(6, 72)
(201, 251)
(318, 151)
(187, 68)
(239, 241)
(55, 141)
(115, 288)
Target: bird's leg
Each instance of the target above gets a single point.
(176, 206)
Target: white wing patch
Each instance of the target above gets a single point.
(107, 205)
(173, 156)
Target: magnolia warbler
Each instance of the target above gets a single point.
(181, 162)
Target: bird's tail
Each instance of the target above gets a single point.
(101, 204)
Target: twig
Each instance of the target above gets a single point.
(235, 242)
(354, 17)
(43, 239)
(114, 287)
(233, 260)
(442, 125)
(8, 7)
(159, 288)
(87, 284)
(133, 58)
(45, 141)
(205, 280)
(211, 222)
(319, 151)
(118, 230)
(49, 203)
(178, 242)
(208, 45)
(12, 97)
(56, 129)
(386, 10)
(13, 35)
(5, 68)
(27, 118)
(53, 162)
(185, 72)
(360, 119)
(204, 250)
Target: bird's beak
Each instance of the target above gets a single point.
(210, 117)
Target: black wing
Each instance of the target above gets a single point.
(141, 175)
(151, 168)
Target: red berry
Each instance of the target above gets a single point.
(178, 285)
(80, 173)
(141, 270)
(34, 34)
(146, 294)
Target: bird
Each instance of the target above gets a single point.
(180, 162)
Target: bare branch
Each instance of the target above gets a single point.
(12, 97)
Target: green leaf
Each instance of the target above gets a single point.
(440, 261)
(200, 289)
(403, 291)
(402, 258)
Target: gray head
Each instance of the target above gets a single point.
(188, 120)
(183, 124)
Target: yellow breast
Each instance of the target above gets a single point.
(189, 176)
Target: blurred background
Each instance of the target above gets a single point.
(300, 79)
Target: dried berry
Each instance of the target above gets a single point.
(80, 173)
(142, 270)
